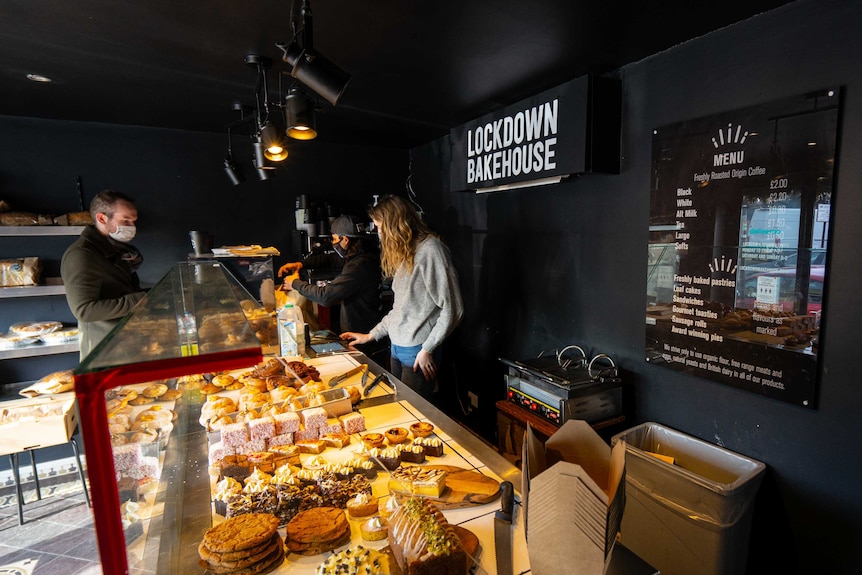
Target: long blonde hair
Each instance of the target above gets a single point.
(401, 231)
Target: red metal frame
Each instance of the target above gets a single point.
(90, 390)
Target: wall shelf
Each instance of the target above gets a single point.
(32, 291)
(37, 350)
(41, 230)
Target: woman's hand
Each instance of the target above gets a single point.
(425, 362)
(356, 338)
(289, 268)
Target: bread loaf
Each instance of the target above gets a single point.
(20, 272)
(423, 542)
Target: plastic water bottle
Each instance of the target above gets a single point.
(291, 331)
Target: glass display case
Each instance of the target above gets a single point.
(196, 319)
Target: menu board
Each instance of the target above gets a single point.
(740, 212)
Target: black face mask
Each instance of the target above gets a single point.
(342, 252)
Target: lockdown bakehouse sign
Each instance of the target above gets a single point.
(539, 137)
(740, 210)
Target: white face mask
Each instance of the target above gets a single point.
(124, 234)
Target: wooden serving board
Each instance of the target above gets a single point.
(469, 542)
(464, 488)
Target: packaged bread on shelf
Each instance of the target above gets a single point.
(20, 272)
(19, 219)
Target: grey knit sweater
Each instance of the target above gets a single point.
(427, 305)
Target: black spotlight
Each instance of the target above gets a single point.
(234, 173)
(260, 163)
(273, 146)
(310, 67)
(316, 72)
(299, 109)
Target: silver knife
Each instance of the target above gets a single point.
(503, 529)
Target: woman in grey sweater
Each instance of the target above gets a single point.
(427, 303)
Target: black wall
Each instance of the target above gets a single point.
(177, 180)
(546, 267)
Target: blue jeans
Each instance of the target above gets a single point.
(401, 365)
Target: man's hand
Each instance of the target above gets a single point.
(290, 268)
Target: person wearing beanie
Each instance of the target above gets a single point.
(357, 286)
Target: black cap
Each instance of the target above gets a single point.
(348, 226)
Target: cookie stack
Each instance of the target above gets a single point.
(243, 545)
(318, 530)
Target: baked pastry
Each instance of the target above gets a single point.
(362, 505)
(355, 561)
(142, 400)
(209, 389)
(430, 482)
(423, 542)
(282, 393)
(285, 454)
(314, 446)
(396, 435)
(144, 436)
(387, 509)
(219, 422)
(236, 466)
(223, 380)
(247, 544)
(390, 458)
(432, 445)
(171, 395)
(255, 384)
(374, 529)
(337, 440)
(366, 467)
(411, 453)
(421, 429)
(155, 390)
(373, 440)
(317, 530)
(262, 460)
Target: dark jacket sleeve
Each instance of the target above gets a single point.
(96, 290)
(350, 281)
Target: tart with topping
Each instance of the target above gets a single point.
(396, 435)
(421, 429)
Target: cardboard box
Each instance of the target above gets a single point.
(574, 494)
(37, 422)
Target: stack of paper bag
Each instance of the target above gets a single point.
(574, 494)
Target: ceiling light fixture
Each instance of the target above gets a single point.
(39, 78)
(299, 110)
(309, 66)
(234, 173)
(260, 165)
(267, 140)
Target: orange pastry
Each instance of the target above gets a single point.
(373, 440)
(421, 429)
(396, 435)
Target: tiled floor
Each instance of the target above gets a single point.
(57, 537)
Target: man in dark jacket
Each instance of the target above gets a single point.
(99, 269)
(356, 288)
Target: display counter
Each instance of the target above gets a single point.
(157, 370)
(186, 481)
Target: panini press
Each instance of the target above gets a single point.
(563, 385)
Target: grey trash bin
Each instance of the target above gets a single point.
(692, 517)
